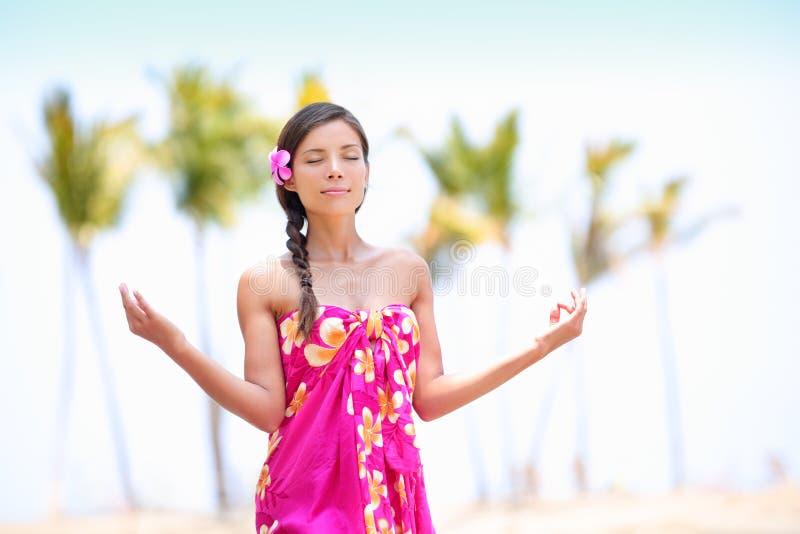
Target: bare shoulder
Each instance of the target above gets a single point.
(260, 285)
(401, 257)
(412, 269)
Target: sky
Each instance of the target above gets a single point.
(705, 90)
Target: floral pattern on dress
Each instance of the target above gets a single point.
(348, 446)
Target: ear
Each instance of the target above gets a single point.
(289, 185)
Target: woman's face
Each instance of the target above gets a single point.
(328, 171)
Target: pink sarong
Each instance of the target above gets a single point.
(344, 458)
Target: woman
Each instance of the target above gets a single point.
(335, 356)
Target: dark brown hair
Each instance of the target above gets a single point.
(294, 131)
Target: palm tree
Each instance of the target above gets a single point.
(216, 151)
(659, 213)
(474, 205)
(591, 252)
(592, 257)
(89, 171)
(475, 199)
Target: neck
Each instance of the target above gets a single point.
(333, 239)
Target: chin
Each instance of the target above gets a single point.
(333, 211)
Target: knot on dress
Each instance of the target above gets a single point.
(374, 325)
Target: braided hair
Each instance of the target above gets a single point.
(292, 134)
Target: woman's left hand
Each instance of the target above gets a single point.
(561, 332)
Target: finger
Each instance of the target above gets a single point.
(126, 297)
(576, 297)
(143, 304)
(555, 313)
(131, 307)
(581, 300)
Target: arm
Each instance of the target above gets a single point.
(260, 398)
(437, 394)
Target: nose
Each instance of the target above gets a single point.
(335, 169)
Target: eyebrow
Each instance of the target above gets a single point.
(341, 147)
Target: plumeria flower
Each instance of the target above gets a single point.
(278, 161)
(369, 432)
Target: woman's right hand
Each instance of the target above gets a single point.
(147, 323)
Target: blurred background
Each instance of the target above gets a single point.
(645, 151)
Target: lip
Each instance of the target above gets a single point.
(335, 191)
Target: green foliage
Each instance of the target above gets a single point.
(592, 251)
(591, 245)
(660, 212)
(601, 160)
(217, 147)
(88, 169)
(451, 221)
(475, 183)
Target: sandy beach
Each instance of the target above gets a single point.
(776, 510)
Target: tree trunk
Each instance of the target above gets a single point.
(109, 386)
(204, 323)
(504, 415)
(66, 381)
(580, 464)
(541, 423)
(476, 460)
(474, 450)
(670, 369)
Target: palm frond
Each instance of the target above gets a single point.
(476, 200)
(601, 159)
(87, 168)
(216, 148)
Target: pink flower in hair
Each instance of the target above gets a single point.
(278, 161)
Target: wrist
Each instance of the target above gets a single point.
(548, 342)
(174, 345)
